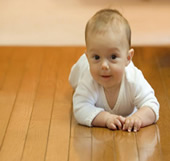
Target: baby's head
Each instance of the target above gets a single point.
(105, 19)
(108, 41)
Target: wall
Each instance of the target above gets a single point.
(62, 22)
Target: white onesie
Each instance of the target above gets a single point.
(89, 98)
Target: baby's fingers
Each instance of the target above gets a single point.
(137, 125)
(128, 125)
(121, 119)
(118, 124)
(112, 126)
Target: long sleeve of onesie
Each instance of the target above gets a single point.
(143, 93)
(84, 101)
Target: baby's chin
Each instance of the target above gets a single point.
(110, 84)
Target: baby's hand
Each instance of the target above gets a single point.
(132, 123)
(115, 122)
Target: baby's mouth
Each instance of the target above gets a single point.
(105, 76)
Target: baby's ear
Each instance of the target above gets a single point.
(130, 55)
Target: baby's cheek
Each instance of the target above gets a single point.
(94, 73)
(119, 72)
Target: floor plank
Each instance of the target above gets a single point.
(80, 149)
(37, 137)
(125, 146)
(148, 144)
(59, 134)
(80, 142)
(8, 92)
(148, 61)
(103, 145)
(5, 57)
(164, 69)
(17, 129)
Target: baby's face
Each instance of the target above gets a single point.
(107, 54)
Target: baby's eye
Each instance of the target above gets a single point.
(113, 56)
(96, 57)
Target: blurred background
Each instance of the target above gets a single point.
(62, 22)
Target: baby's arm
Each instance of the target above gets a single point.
(143, 117)
(111, 121)
(143, 99)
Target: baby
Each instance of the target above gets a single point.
(109, 90)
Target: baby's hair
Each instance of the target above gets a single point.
(107, 17)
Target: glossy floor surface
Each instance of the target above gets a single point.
(36, 121)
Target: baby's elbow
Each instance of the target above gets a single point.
(81, 117)
(77, 116)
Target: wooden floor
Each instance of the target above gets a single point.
(36, 122)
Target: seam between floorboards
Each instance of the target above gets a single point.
(20, 82)
(32, 108)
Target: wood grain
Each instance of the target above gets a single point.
(36, 119)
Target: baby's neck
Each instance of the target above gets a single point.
(112, 90)
(112, 95)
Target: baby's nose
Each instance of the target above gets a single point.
(105, 65)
